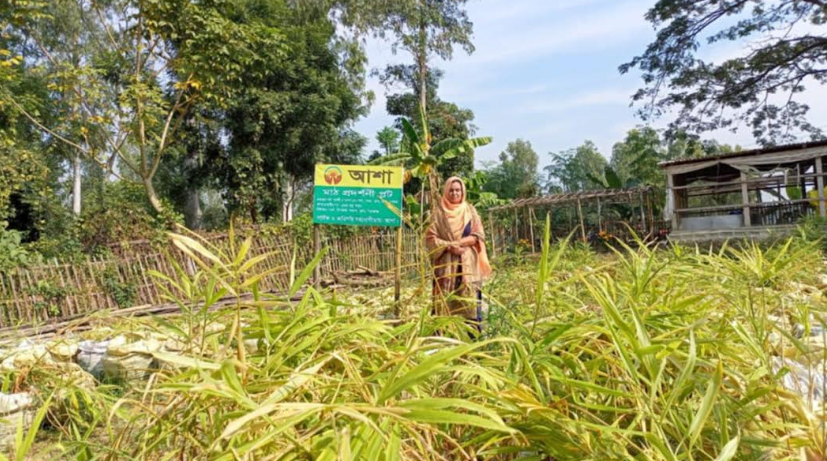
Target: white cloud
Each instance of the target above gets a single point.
(492, 13)
(522, 40)
(461, 90)
(593, 98)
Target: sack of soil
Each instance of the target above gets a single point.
(90, 357)
(15, 410)
(129, 361)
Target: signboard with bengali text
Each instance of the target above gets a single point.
(358, 195)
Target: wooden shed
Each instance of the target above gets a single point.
(746, 194)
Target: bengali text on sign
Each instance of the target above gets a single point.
(357, 195)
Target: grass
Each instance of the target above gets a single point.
(674, 354)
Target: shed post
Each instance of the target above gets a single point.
(531, 228)
(599, 216)
(822, 206)
(673, 198)
(745, 200)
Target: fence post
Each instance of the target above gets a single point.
(397, 278)
(317, 247)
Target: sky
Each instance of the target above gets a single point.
(546, 71)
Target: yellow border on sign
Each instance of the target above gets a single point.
(386, 177)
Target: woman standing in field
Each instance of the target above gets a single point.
(456, 241)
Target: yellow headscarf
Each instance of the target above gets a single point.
(457, 215)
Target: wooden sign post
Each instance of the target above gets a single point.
(397, 276)
(317, 247)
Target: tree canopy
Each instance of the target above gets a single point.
(762, 88)
(516, 174)
(574, 169)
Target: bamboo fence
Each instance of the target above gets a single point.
(58, 290)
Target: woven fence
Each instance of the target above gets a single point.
(62, 290)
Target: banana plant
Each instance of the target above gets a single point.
(474, 188)
(423, 159)
(609, 180)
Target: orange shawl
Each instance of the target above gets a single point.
(456, 218)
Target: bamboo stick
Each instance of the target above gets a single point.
(67, 300)
(19, 307)
(31, 285)
(582, 223)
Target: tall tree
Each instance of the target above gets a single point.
(573, 170)
(445, 120)
(281, 125)
(516, 175)
(156, 61)
(388, 138)
(762, 88)
(425, 28)
(635, 159)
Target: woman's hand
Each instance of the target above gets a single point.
(456, 250)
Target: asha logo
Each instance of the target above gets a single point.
(333, 175)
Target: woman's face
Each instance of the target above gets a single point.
(455, 192)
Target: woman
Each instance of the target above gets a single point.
(456, 241)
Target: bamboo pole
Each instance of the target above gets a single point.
(550, 216)
(599, 215)
(642, 216)
(493, 228)
(582, 223)
(18, 301)
(531, 228)
(397, 279)
(317, 247)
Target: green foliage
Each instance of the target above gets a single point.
(814, 229)
(635, 159)
(575, 169)
(206, 57)
(573, 343)
(445, 120)
(12, 252)
(281, 125)
(516, 175)
(388, 138)
(760, 88)
(123, 293)
(123, 214)
(424, 159)
(49, 296)
(475, 189)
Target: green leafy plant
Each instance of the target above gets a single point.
(123, 293)
(50, 296)
(12, 252)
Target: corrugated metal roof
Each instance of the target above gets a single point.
(746, 153)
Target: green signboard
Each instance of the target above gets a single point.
(357, 195)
